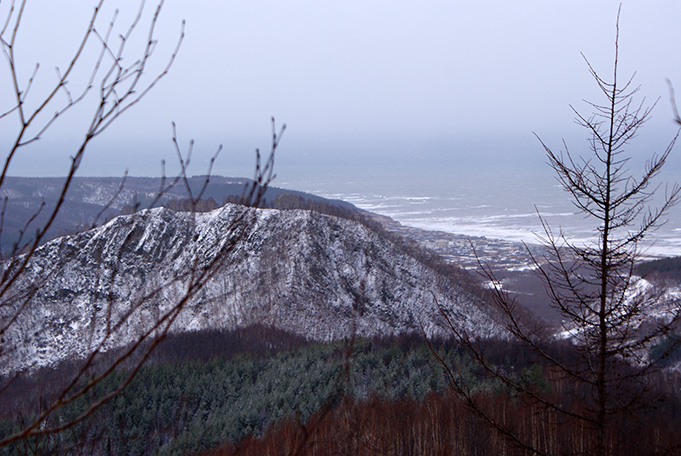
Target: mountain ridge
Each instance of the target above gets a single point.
(314, 275)
(92, 200)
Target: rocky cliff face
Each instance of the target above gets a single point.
(315, 275)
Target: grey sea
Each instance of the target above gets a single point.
(495, 199)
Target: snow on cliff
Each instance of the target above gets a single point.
(316, 275)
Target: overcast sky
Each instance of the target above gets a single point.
(366, 79)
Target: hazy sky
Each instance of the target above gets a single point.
(353, 80)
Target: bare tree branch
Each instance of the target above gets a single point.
(612, 316)
(117, 88)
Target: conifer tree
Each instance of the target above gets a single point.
(612, 316)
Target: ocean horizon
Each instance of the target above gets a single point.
(498, 202)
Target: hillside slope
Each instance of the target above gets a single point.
(315, 275)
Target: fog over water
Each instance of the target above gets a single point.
(423, 111)
(495, 188)
(480, 195)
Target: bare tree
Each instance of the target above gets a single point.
(610, 316)
(672, 99)
(112, 89)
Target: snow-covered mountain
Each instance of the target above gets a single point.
(92, 199)
(319, 276)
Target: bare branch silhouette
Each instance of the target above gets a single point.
(611, 316)
(116, 89)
